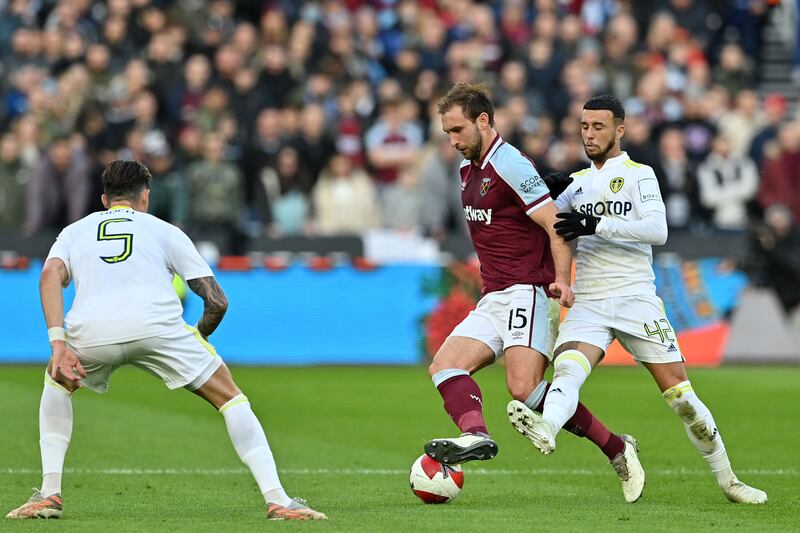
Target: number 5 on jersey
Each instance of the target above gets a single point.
(103, 235)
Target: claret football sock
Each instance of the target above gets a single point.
(462, 399)
(582, 424)
(55, 432)
(251, 444)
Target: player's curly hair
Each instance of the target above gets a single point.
(607, 102)
(125, 179)
(473, 98)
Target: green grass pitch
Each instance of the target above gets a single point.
(146, 459)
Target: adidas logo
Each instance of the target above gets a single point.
(672, 348)
(557, 390)
(579, 191)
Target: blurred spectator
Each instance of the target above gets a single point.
(58, 188)
(168, 191)
(781, 171)
(740, 124)
(13, 178)
(638, 141)
(774, 112)
(345, 199)
(402, 202)
(727, 183)
(314, 145)
(735, 71)
(215, 192)
(442, 213)
(677, 179)
(393, 142)
(773, 258)
(281, 197)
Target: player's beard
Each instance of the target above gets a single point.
(602, 155)
(474, 149)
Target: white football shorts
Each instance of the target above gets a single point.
(516, 316)
(183, 359)
(638, 322)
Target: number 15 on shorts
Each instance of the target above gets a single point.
(517, 318)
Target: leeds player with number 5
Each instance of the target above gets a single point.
(122, 262)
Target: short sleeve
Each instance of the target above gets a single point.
(60, 250)
(530, 190)
(184, 258)
(647, 195)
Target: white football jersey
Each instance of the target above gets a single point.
(122, 263)
(614, 261)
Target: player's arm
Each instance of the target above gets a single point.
(649, 228)
(545, 216)
(63, 361)
(214, 300)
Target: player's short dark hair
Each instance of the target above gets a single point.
(472, 97)
(607, 102)
(125, 179)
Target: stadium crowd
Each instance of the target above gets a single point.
(319, 118)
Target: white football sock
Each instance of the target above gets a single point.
(701, 429)
(571, 370)
(55, 432)
(251, 444)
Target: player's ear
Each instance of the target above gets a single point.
(482, 121)
(620, 130)
(104, 199)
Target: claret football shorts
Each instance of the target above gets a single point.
(516, 316)
(639, 323)
(182, 359)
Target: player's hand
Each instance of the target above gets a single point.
(65, 362)
(563, 292)
(574, 225)
(557, 182)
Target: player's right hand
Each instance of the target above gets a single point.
(557, 182)
(563, 292)
(65, 361)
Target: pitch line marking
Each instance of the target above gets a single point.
(377, 471)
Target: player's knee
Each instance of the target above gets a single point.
(520, 388)
(572, 364)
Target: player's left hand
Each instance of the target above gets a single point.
(574, 225)
(563, 292)
(557, 182)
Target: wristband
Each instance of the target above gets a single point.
(56, 334)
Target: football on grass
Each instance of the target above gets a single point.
(433, 482)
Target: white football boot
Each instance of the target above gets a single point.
(627, 466)
(467, 447)
(531, 425)
(739, 492)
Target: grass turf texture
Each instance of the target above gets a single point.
(345, 437)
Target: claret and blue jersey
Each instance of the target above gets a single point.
(499, 193)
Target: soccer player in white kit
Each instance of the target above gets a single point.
(126, 311)
(616, 209)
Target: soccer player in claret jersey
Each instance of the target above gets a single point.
(510, 215)
(122, 262)
(615, 208)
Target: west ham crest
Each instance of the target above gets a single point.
(485, 184)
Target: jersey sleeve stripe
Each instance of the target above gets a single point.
(544, 200)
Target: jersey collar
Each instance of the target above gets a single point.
(492, 149)
(613, 162)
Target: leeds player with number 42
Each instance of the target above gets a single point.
(510, 215)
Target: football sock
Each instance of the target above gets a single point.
(701, 429)
(571, 370)
(55, 431)
(582, 424)
(462, 399)
(251, 444)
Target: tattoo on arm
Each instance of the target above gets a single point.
(215, 303)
